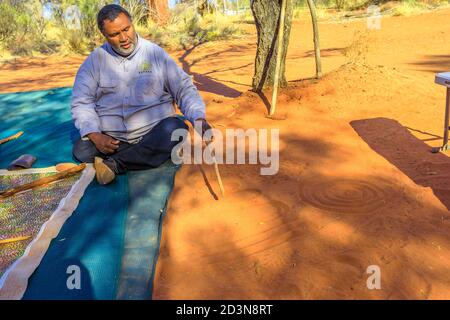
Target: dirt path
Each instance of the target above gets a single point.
(357, 185)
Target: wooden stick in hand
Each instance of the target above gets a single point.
(216, 169)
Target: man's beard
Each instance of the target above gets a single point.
(126, 52)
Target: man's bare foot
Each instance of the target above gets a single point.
(103, 173)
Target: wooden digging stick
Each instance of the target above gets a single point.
(219, 179)
(42, 181)
(216, 170)
(15, 136)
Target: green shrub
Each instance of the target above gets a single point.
(7, 22)
(20, 32)
(83, 36)
(23, 28)
(188, 28)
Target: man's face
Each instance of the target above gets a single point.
(120, 34)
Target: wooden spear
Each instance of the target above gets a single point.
(279, 54)
(10, 240)
(42, 181)
(312, 10)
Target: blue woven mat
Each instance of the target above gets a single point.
(113, 236)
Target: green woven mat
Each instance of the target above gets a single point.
(24, 213)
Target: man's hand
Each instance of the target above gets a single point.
(205, 126)
(104, 143)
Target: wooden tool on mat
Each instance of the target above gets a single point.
(10, 240)
(14, 136)
(64, 166)
(42, 181)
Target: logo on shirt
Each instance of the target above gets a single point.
(145, 67)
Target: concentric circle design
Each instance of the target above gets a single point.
(346, 195)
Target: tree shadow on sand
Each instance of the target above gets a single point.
(204, 82)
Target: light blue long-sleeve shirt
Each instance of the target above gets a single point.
(125, 97)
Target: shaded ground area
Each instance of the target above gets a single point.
(357, 185)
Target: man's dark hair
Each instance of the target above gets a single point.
(110, 12)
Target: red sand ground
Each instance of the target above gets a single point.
(357, 184)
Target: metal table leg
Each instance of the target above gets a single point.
(445, 145)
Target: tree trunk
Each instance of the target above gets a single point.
(159, 11)
(202, 7)
(267, 15)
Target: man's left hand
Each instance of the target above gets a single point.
(205, 127)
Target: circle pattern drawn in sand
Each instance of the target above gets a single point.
(346, 195)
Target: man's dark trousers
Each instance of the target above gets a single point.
(153, 150)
